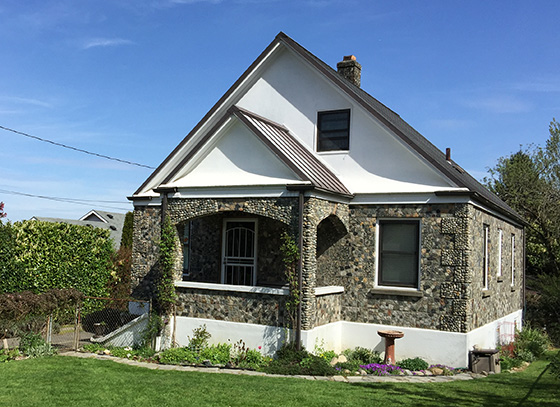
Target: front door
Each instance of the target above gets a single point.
(239, 252)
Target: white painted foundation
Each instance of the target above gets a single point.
(449, 348)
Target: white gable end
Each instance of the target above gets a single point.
(291, 92)
(235, 157)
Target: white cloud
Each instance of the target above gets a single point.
(499, 104)
(25, 101)
(539, 85)
(105, 42)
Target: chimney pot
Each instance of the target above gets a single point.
(350, 69)
(448, 154)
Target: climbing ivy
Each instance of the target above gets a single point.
(165, 288)
(290, 257)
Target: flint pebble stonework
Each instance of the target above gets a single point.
(340, 250)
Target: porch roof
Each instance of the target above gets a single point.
(294, 154)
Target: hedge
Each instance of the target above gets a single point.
(37, 256)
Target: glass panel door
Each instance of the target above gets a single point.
(239, 252)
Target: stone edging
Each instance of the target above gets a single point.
(349, 379)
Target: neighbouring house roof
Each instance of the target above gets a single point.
(111, 221)
(306, 164)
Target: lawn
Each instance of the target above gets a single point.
(64, 381)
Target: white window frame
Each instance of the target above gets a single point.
(485, 259)
(380, 286)
(512, 260)
(500, 244)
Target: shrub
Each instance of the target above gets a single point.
(363, 355)
(37, 256)
(216, 354)
(199, 339)
(177, 356)
(413, 364)
(33, 345)
(531, 341)
(8, 354)
(554, 365)
(290, 361)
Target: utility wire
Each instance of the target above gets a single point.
(85, 202)
(76, 149)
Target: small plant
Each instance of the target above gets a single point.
(377, 369)
(178, 356)
(153, 329)
(199, 339)
(363, 355)
(9, 354)
(33, 345)
(413, 364)
(321, 352)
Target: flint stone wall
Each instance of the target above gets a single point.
(253, 308)
(501, 298)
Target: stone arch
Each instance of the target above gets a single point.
(284, 210)
(329, 231)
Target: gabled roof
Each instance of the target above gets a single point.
(386, 116)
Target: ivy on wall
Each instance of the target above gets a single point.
(37, 256)
(165, 289)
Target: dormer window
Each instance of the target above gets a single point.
(333, 130)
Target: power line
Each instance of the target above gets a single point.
(76, 149)
(86, 202)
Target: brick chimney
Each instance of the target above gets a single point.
(350, 69)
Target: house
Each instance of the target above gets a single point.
(111, 221)
(394, 234)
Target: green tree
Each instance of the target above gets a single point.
(529, 182)
(126, 239)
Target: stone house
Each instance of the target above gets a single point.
(394, 234)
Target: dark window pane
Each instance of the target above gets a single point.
(398, 257)
(333, 130)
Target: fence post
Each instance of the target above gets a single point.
(49, 328)
(77, 328)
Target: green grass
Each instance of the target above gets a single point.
(64, 381)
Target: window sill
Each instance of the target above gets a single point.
(486, 293)
(513, 289)
(233, 288)
(500, 279)
(392, 291)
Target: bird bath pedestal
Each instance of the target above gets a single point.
(390, 337)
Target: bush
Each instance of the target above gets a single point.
(554, 365)
(413, 364)
(290, 361)
(531, 341)
(9, 354)
(178, 356)
(33, 345)
(38, 256)
(363, 355)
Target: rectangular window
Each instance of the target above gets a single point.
(333, 130)
(512, 260)
(485, 258)
(399, 243)
(500, 243)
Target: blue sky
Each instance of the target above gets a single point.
(130, 78)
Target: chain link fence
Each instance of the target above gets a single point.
(108, 321)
